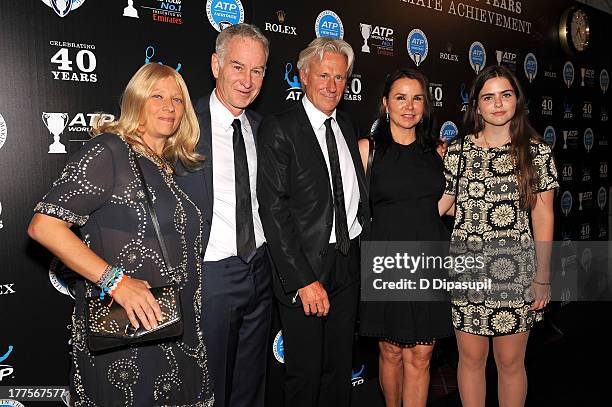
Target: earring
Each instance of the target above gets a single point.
(387, 117)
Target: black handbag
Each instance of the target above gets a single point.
(107, 323)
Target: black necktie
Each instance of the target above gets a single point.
(342, 234)
(245, 232)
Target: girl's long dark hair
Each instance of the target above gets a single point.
(522, 134)
(424, 136)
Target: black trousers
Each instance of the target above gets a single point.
(318, 350)
(236, 318)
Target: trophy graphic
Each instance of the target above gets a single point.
(580, 195)
(417, 58)
(565, 139)
(366, 31)
(582, 73)
(498, 56)
(130, 10)
(56, 123)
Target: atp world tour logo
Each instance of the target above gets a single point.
(417, 45)
(566, 202)
(477, 56)
(602, 198)
(3, 131)
(278, 347)
(589, 139)
(530, 66)
(328, 24)
(550, 136)
(568, 73)
(63, 7)
(604, 80)
(449, 131)
(223, 13)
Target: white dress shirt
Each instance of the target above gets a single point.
(222, 242)
(347, 168)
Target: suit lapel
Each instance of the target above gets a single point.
(205, 148)
(310, 134)
(254, 121)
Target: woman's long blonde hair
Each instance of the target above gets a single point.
(181, 145)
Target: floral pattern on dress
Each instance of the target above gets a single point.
(490, 222)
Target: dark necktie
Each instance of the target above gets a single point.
(342, 234)
(245, 232)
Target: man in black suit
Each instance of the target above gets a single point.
(313, 207)
(237, 296)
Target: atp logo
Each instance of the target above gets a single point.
(357, 377)
(6, 370)
(294, 91)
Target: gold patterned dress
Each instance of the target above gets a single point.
(491, 227)
(99, 192)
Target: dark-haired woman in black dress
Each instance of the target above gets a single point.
(407, 181)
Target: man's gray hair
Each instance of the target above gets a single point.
(242, 30)
(320, 46)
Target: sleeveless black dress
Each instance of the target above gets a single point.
(406, 184)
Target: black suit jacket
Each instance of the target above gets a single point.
(295, 198)
(199, 184)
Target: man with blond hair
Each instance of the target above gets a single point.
(313, 207)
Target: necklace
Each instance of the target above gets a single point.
(160, 161)
(486, 142)
(484, 137)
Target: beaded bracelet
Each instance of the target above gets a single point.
(538, 283)
(117, 283)
(116, 276)
(105, 277)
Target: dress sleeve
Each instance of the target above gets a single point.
(545, 165)
(84, 185)
(451, 162)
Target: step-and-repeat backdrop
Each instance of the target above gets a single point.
(63, 62)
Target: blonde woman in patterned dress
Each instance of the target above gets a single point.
(100, 193)
(506, 176)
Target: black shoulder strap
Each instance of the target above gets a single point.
(459, 169)
(371, 151)
(153, 214)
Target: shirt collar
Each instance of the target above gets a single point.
(317, 118)
(220, 114)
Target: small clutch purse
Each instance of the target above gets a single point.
(109, 327)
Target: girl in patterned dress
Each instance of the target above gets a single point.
(506, 179)
(99, 192)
